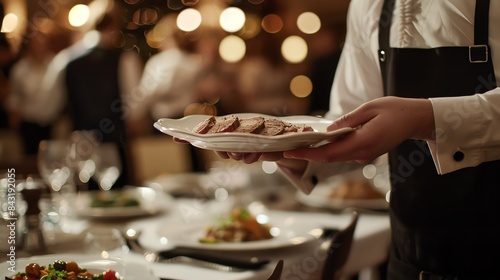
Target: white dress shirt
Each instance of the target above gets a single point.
(470, 123)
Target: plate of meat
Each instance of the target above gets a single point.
(248, 132)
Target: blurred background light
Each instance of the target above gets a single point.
(251, 27)
(308, 22)
(232, 48)
(294, 49)
(272, 23)
(78, 15)
(189, 2)
(301, 86)
(232, 19)
(189, 20)
(146, 16)
(9, 23)
(175, 4)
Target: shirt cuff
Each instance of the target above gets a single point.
(459, 128)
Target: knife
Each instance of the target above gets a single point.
(227, 260)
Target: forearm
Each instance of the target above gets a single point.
(467, 125)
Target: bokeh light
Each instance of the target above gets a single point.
(301, 86)
(294, 49)
(232, 19)
(78, 15)
(9, 23)
(232, 48)
(308, 22)
(251, 27)
(175, 4)
(272, 23)
(189, 20)
(189, 2)
(146, 16)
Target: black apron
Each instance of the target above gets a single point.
(442, 224)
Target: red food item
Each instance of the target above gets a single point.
(109, 275)
(251, 125)
(225, 124)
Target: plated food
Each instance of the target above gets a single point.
(128, 202)
(356, 189)
(238, 132)
(255, 125)
(239, 226)
(62, 270)
(114, 199)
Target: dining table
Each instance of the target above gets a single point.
(300, 245)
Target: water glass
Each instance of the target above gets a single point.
(106, 242)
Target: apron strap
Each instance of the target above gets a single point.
(477, 53)
(481, 22)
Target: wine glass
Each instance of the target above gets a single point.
(107, 165)
(54, 165)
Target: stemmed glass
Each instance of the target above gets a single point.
(55, 166)
(107, 165)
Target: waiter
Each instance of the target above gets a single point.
(435, 62)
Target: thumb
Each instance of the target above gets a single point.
(352, 119)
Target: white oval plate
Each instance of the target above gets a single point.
(151, 202)
(292, 230)
(127, 269)
(247, 142)
(320, 197)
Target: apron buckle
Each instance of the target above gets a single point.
(478, 54)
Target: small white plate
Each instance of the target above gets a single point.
(320, 197)
(151, 202)
(129, 270)
(290, 230)
(247, 142)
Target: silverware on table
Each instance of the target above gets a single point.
(202, 258)
(276, 275)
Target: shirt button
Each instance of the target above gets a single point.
(458, 156)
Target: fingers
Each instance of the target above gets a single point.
(353, 119)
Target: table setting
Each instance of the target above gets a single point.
(181, 226)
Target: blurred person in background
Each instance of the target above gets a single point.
(96, 84)
(32, 111)
(7, 59)
(168, 82)
(326, 48)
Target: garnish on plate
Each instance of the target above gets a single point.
(239, 226)
(62, 270)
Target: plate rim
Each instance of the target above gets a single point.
(240, 246)
(210, 141)
(122, 212)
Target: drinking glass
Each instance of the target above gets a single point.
(106, 242)
(55, 166)
(107, 165)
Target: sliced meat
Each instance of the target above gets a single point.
(289, 127)
(225, 124)
(251, 125)
(205, 126)
(273, 127)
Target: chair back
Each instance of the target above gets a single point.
(338, 250)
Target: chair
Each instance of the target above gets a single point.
(338, 251)
(157, 155)
(276, 275)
